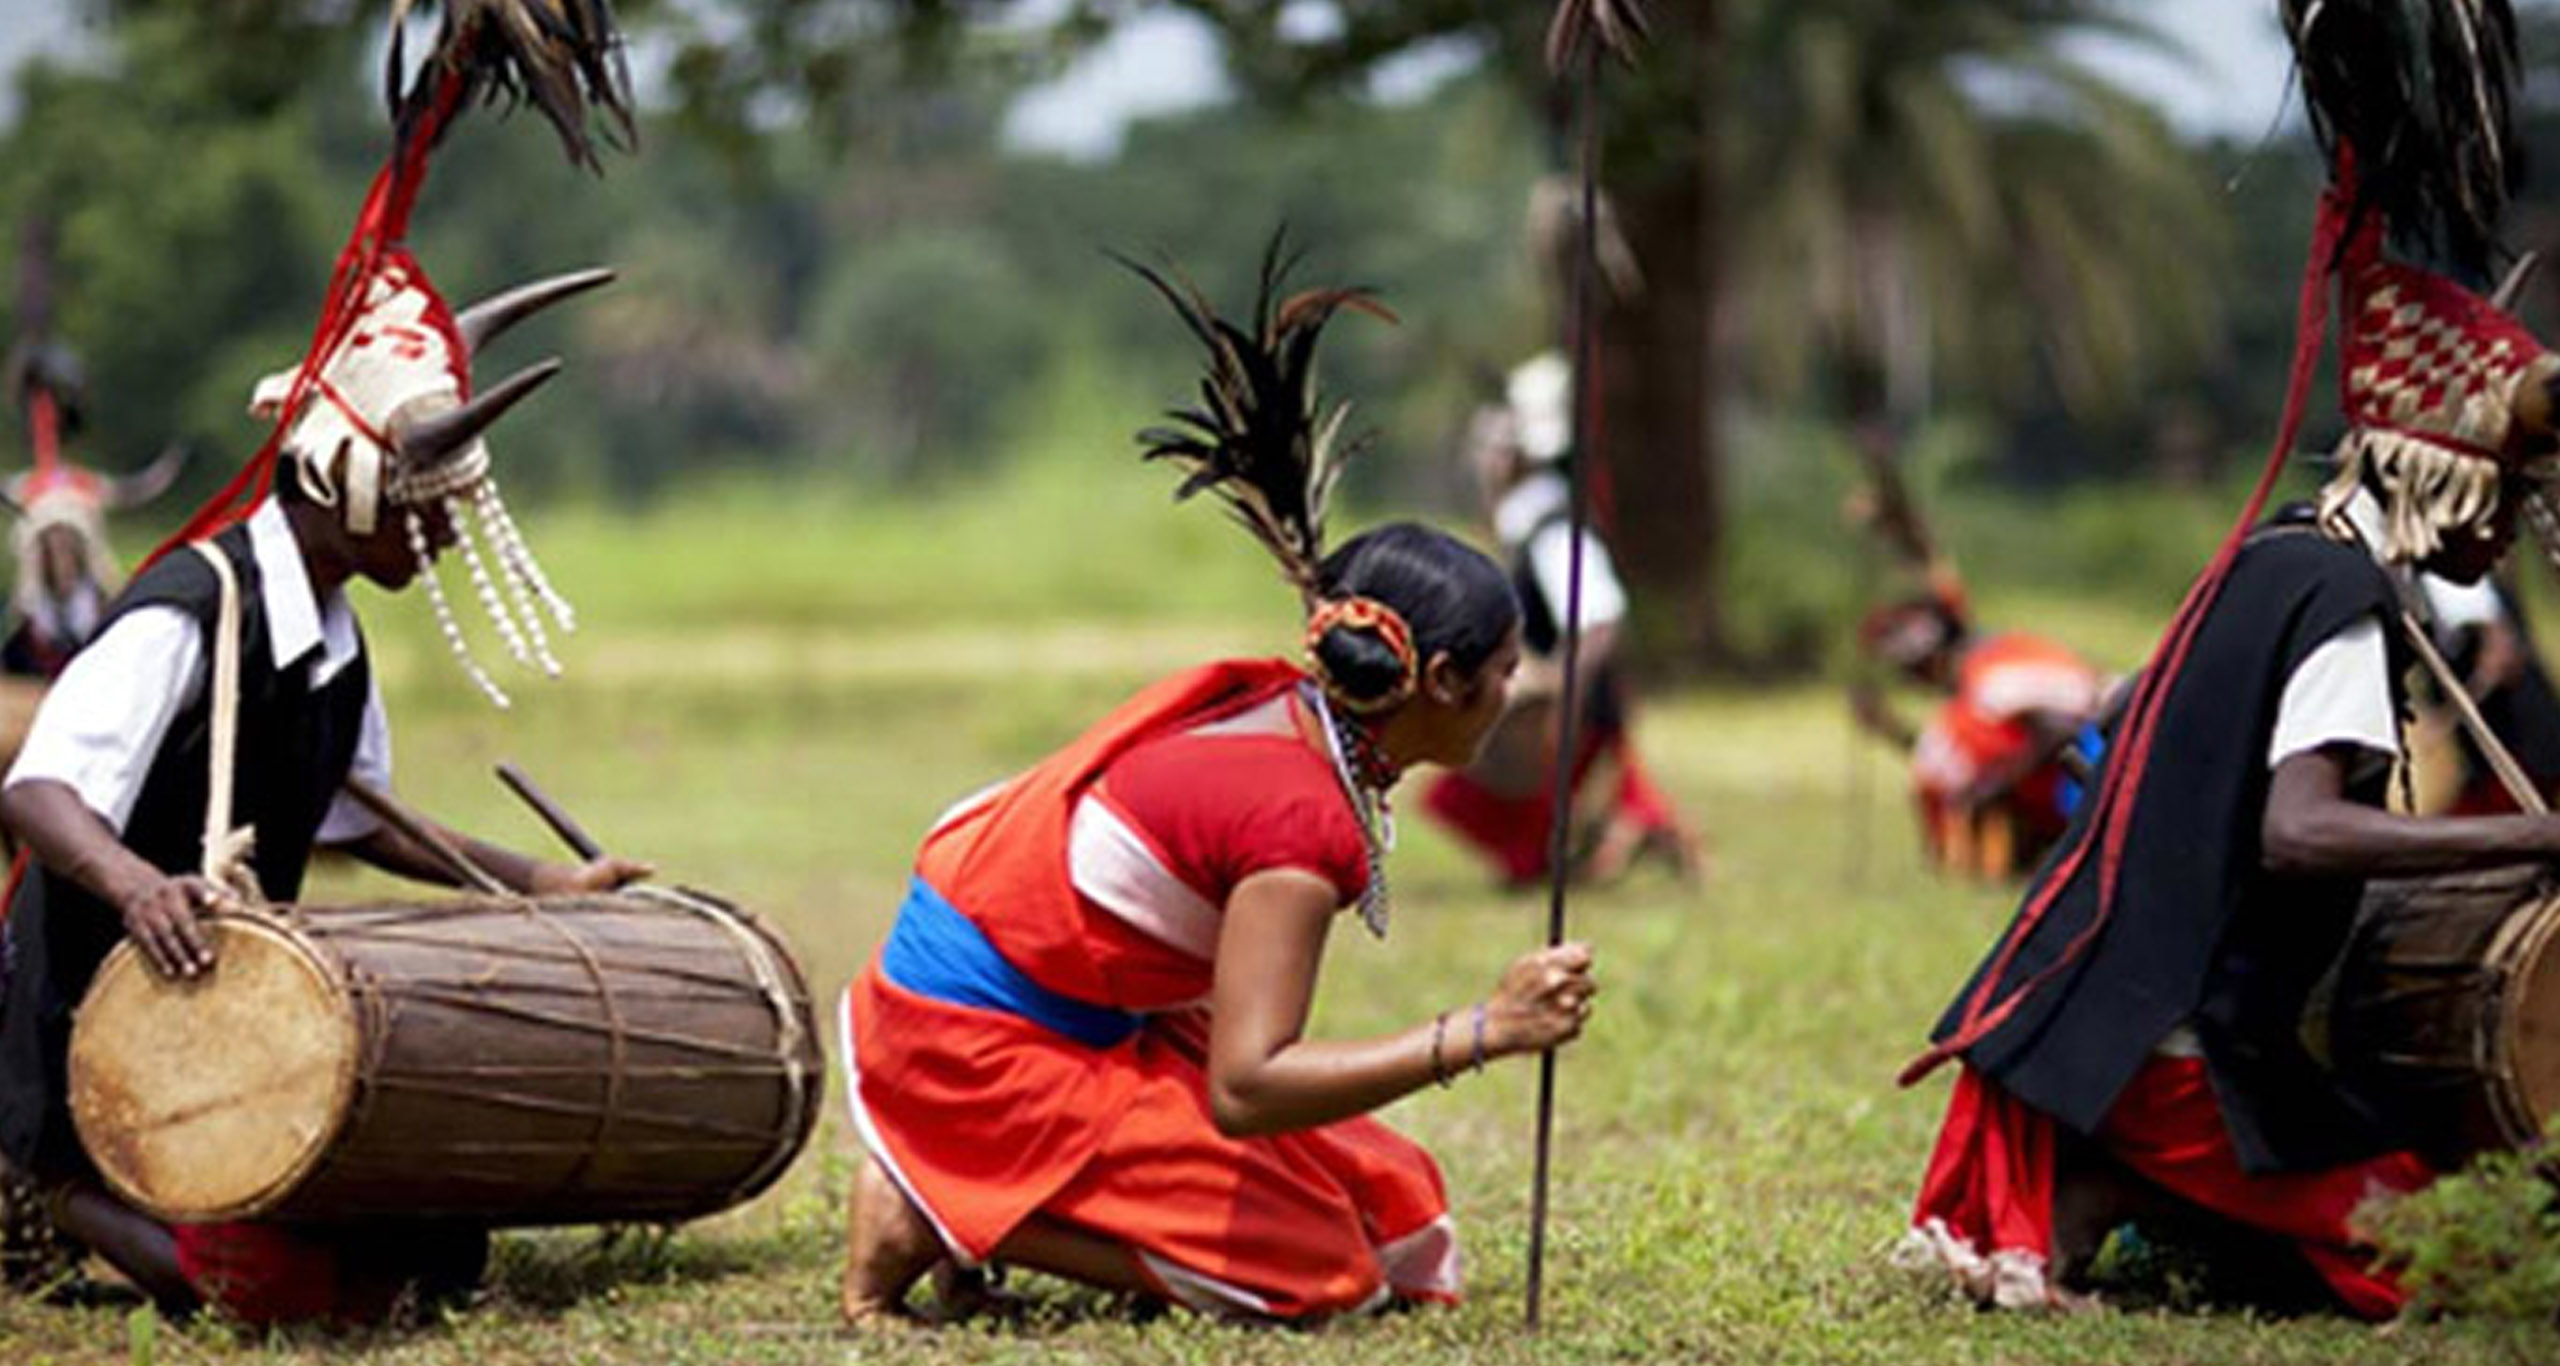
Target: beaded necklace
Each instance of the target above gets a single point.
(1366, 775)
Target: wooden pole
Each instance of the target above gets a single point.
(1586, 397)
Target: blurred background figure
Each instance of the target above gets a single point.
(2481, 629)
(1500, 805)
(65, 570)
(1990, 770)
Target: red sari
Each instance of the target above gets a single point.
(985, 1117)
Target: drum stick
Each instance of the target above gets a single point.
(411, 824)
(561, 822)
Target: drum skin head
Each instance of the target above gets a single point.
(209, 1099)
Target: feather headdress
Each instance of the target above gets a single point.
(2445, 394)
(2410, 101)
(1618, 26)
(564, 56)
(1261, 438)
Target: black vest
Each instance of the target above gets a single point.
(294, 750)
(2200, 932)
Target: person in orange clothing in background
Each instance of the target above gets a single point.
(1991, 770)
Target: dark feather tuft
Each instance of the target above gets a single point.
(2420, 90)
(1618, 26)
(1260, 438)
(562, 56)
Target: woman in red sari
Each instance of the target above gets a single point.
(1083, 1048)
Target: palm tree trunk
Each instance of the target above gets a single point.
(1662, 380)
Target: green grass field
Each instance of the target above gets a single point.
(776, 706)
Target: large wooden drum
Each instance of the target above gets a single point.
(2446, 1013)
(647, 1055)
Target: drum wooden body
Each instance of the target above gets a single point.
(2446, 1013)
(645, 1055)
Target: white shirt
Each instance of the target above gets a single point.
(2340, 694)
(104, 719)
(1517, 518)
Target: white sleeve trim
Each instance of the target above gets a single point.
(103, 721)
(2340, 694)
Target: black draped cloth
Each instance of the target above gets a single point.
(2200, 933)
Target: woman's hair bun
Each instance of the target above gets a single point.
(1363, 653)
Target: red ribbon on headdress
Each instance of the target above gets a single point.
(380, 226)
(2111, 821)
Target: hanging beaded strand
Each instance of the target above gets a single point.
(513, 550)
(444, 613)
(1366, 775)
(497, 530)
(484, 587)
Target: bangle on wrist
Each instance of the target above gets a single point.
(1439, 1031)
(1476, 1062)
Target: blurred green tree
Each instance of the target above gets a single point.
(1931, 189)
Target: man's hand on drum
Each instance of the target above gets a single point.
(161, 916)
(1542, 1002)
(601, 874)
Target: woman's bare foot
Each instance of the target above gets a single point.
(888, 1245)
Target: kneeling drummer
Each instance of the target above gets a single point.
(2155, 1027)
(244, 635)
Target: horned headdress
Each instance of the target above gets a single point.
(382, 418)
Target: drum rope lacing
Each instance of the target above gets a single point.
(617, 1038)
(791, 1037)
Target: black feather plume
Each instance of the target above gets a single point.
(1260, 437)
(562, 56)
(1618, 26)
(2420, 90)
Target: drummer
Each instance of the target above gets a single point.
(1517, 449)
(1084, 1047)
(378, 465)
(2165, 1038)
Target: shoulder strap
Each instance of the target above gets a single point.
(226, 850)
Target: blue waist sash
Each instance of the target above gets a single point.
(938, 953)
